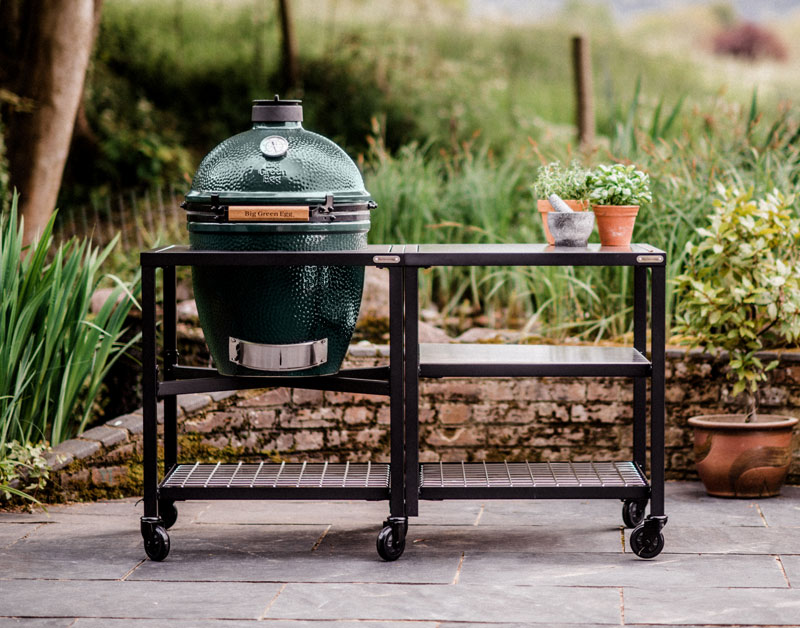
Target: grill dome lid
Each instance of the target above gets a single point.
(277, 161)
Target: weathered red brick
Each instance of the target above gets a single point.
(306, 440)
(272, 397)
(301, 396)
(454, 413)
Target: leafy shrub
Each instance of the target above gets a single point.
(750, 41)
(55, 353)
(25, 464)
(741, 289)
(567, 183)
(618, 184)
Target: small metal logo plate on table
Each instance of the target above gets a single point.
(386, 259)
(649, 259)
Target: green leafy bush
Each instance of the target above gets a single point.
(25, 465)
(567, 183)
(55, 352)
(741, 289)
(617, 184)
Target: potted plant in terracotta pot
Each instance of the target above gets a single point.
(568, 183)
(616, 191)
(740, 295)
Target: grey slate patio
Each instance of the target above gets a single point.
(561, 564)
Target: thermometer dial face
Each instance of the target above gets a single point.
(274, 146)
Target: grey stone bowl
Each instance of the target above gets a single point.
(571, 228)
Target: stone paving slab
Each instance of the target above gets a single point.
(621, 570)
(431, 539)
(227, 623)
(791, 565)
(783, 510)
(671, 606)
(543, 605)
(13, 532)
(707, 539)
(165, 600)
(38, 622)
(242, 541)
(92, 548)
(260, 566)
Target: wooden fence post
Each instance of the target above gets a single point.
(584, 95)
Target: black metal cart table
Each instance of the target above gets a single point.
(619, 479)
(192, 480)
(403, 482)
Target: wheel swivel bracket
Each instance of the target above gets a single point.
(655, 523)
(399, 526)
(147, 525)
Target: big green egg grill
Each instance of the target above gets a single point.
(278, 187)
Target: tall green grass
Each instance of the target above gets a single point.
(472, 195)
(55, 352)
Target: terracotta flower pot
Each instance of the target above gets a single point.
(738, 459)
(544, 208)
(615, 223)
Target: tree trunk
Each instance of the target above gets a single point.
(55, 44)
(289, 42)
(584, 95)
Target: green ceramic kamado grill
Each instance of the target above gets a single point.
(278, 187)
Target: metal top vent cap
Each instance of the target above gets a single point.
(277, 110)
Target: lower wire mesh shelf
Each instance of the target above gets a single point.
(452, 476)
(242, 478)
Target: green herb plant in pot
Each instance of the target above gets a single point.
(740, 295)
(616, 192)
(568, 183)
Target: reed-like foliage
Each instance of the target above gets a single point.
(55, 352)
(471, 195)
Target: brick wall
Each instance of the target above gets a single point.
(491, 419)
(460, 419)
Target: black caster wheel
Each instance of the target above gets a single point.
(647, 542)
(168, 513)
(388, 549)
(633, 512)
(156, 543)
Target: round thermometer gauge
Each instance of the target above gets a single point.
(274, 146)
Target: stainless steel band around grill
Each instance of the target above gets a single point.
(290, 357)
(327, 211)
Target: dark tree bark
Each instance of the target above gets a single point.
(44, 55)
(289, 43)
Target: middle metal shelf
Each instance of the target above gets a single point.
(493, 360)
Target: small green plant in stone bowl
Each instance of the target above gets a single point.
(739, 295)
(568, 183)
(616, 191)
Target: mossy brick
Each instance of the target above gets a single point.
(108, 436)
(131, 422)
(57, 461)
(109, 476)
(77, 448)
(193, 402)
